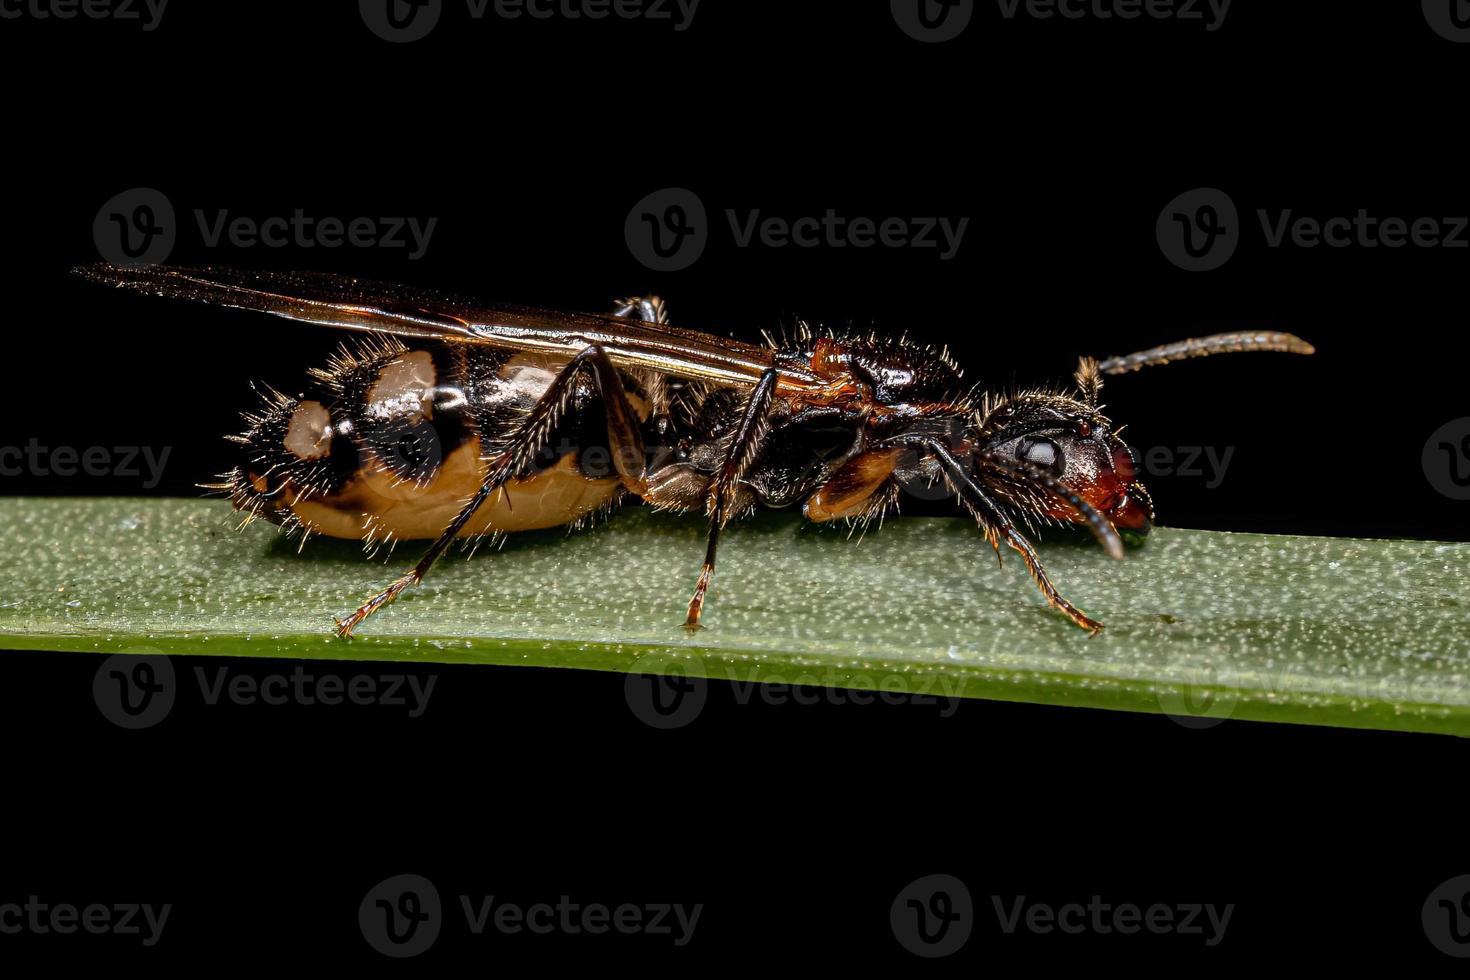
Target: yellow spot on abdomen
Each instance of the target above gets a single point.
(380, 501)
(309, 434)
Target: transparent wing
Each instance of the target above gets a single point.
(349, 303)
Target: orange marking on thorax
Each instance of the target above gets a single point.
(833, 382)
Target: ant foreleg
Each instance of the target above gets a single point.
(998, 527)
(850, 491)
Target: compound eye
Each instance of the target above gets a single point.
(1040, 452)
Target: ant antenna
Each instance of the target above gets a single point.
(1220, 343)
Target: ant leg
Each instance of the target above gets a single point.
(1034, 476)
(1055, 599)
(745, 443)
(649, 308)
(998, 527)
(623, 436)
(849, 492)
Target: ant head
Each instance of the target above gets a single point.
(1070, 440)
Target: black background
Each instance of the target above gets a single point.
(796, 825)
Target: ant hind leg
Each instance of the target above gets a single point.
(623, 436)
